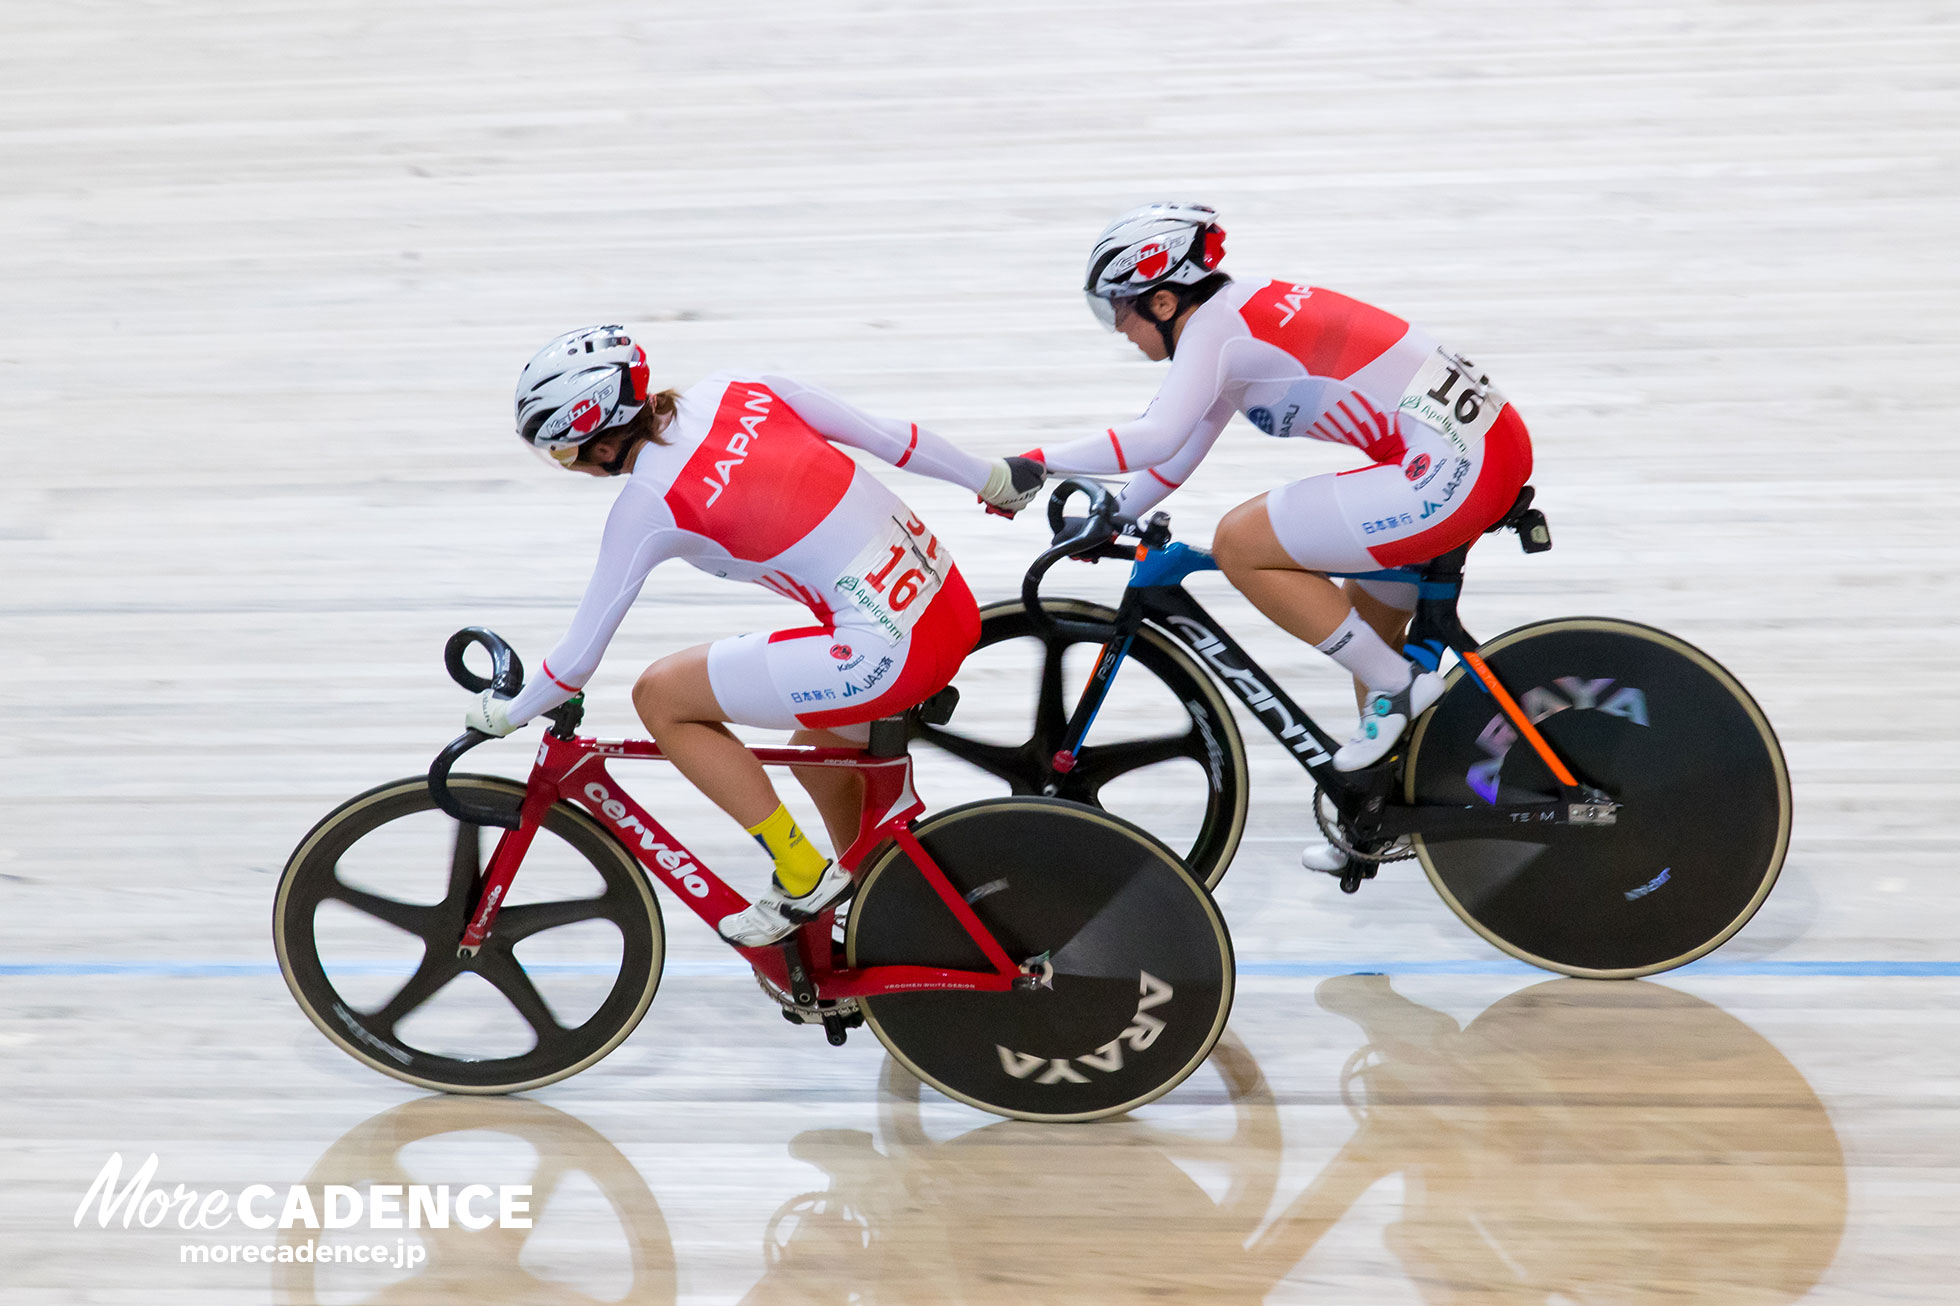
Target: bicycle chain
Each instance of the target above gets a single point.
(1398, 851)
(845, 1007)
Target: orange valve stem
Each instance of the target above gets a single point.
(1559, 769)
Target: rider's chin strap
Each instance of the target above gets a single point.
(1164, 329)
(618, 461)
(1185, 303)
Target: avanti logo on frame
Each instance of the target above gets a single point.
(142, 1203)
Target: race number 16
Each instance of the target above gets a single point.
(911, 582)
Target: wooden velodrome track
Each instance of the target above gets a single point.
(266, 273)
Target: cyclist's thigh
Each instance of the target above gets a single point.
(773, 678)
(924, 663)
(1310, 521)
(1392, 515)
(837, 678)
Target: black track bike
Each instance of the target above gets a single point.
(1593, 796)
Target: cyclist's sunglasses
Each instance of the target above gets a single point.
(1111, 311)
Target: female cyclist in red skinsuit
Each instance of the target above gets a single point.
(1447, 454)
(739, 476)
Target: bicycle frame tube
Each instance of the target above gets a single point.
(576, 770)
(1156, 594)
(1436, 627)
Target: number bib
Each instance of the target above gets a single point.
(1449, 394)
(893, 580)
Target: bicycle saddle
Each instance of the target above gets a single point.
(888, 734)
(1534, 535)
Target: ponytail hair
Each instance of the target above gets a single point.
(644, 425)
(649, 419)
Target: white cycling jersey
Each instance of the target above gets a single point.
(1448, 453)
(1297, 361)
(747, 487)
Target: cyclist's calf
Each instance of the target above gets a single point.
(838, 791)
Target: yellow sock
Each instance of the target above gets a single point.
(798, 863)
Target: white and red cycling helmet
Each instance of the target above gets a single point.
(1166, 245)
(577, 386)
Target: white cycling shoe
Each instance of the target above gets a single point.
(774, 913)
(1385, 719)
(1323, 857)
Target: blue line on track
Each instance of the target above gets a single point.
(1793, 969)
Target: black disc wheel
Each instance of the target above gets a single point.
(1141, 964)
(1163, 752)
(1659, 726)
(374, 902)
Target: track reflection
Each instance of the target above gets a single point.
(593, 1219)
(1577, 1142)
(1622, 1143)
(1580, 1141)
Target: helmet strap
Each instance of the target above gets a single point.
(1188, 298)
(618, 462)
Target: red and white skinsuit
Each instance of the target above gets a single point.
(750, 486)
(1448, 453)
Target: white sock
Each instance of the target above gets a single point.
(1365, 655)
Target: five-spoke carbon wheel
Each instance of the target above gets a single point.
(1164, 711)
(1652, 721)
(1136, 960)
(374, 902)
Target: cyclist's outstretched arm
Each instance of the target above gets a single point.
(640, 535)
(902, 444)
(1148, 488)
(1174, 419)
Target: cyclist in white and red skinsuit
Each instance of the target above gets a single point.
(740, 476)
(1447, 454)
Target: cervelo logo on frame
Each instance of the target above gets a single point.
(679, 866)
(262, 1208)
(738, 444)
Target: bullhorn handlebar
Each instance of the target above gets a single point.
(1090, 537)
(506, 678)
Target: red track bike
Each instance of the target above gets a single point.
(1031, 956)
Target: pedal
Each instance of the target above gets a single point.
(836, 1017)
(1355, 873)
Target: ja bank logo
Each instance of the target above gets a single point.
(263, 1208)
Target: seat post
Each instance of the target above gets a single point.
(887, 737)
(1436, 626)
(1446, 568)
